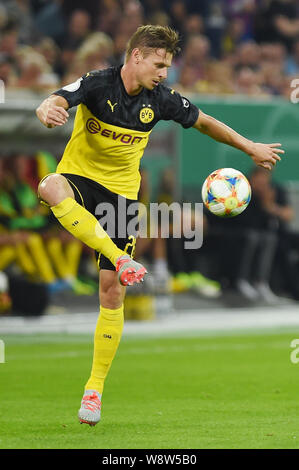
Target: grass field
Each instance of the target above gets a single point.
(223, 392)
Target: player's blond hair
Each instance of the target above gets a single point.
(153, 37)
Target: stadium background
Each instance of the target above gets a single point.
(238, 62)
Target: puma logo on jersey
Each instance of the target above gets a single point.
(111, 105)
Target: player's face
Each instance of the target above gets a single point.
(152, 69)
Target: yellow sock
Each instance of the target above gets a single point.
(41, 259)
(84, 226)
(106, 340)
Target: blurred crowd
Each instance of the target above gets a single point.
(251, 259)
(247, 47)
(32, 245)
(36, 249)
(255, 256)
(244, 47)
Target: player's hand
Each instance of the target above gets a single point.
(266, 155)
(51, 115)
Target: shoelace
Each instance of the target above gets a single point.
(121, 262)
(91, 402)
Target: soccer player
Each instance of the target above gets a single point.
(117, 110)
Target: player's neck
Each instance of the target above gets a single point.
(131, 85)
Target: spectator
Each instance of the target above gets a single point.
(159, 17)
(120, 43)
(292, 62)
(50, 21)
(233, 36)
(279, 213)
(35, 72)
(78, 30)
(9, 41)
(244, 12)
(193, 25)
(92, 7)
(51, 52)
(109, 17)
(19, 14)
(95, 53)
(215, 36)
(196, 54)
(184, 264)
(187, 80)
(215, 22)
(7, 70)
(178, 15)
(277, 21)
(250, 248)
(154, 248)
(248, 82)
(3, 17)
(133, 16)
(247, 55)
(272, 79)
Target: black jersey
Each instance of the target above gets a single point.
(112, 128)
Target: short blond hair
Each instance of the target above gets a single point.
(154, 37)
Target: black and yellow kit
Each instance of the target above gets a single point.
(112, 128)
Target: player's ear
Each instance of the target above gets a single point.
(137, 55)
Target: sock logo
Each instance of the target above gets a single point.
(75, 223)
(107, 336)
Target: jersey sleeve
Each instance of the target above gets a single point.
(80, 90)
(177, 108)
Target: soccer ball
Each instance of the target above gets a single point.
(226, 192)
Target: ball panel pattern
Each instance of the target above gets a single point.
(226, 192)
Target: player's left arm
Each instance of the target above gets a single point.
(264, 155)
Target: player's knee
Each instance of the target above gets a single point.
(54, 188)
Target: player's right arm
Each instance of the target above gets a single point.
(52, 111)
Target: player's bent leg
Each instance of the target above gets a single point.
(106, 340)
(56, 191)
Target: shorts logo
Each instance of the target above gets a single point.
(146, 114)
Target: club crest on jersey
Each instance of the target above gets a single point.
(146, 114)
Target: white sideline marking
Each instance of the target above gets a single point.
(180, 323)
(150, 350)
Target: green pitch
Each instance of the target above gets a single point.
(194, 392)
